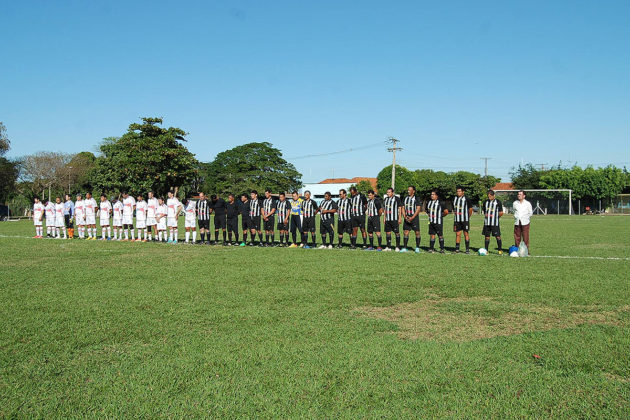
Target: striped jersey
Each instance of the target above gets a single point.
(373, 206)
(461, 207)
(491, 209)
(204, 208)
(268, 205)
(411, 202)
(391, 206)
(435, 210)
(344, 207)
(283, 208)
(358, 204)
(327, 205)
(309, 208)
(254, 208)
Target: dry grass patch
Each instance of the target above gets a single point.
(466, 319)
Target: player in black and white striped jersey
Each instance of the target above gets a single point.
(393, 210)
(255, 205)
(269, 218)
(412, 217)
(436, 211)
(344, 221)
(462, 210)
(309, 210)
(283, 210)
(374, 212)
(359, 204)
(327, 210)
(492, 210)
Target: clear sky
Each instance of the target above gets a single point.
(538, 81)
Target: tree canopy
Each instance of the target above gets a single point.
(146, 158)
(250, 166)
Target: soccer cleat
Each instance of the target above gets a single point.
(301, 245)
(322, 247)
(457, 251)
(330, 247)
(242, 244)
(369, 248)
(467, 251)
(441, 251)
(431, 251)
(404, 250)
(417, 250)
(306, 247)
(293, 246)
(500, 252)
(387, 249)
(399, 250)
(379, 249)
(144, 240)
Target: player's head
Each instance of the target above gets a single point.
(491, 194)
(103, 197)
(231, 198)
(88, 195)
(253, 194)
(327, 195)
(307, 194)
(244, 197)
(113, 199)
(214, 198)
(68, 198)
(79, 197)
(282, 196)
(140, 197)
(57, 200)
(521, 195)
(202, 196)
(371, 194)
(125, 194)
(390, 192)
(170, 194)
(295, 195)
(460, 191)
(150, 194)
(342, 193)
(267, 193)
(434, 195)
(160, 200)
(36, 199)
(353, 190)
(411, 190)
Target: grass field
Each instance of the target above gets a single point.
(123, 329)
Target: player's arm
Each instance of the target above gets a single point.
(418, 208)
(470, 208)
(500, 205)
(400, 213)
(445, 211)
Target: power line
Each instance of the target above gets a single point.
(354, 149)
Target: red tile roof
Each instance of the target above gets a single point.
(503, 186)
(354, 180)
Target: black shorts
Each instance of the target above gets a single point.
(254, 223)
(344, 226)
(374, 224)
(232, 224)
(391, 226)
(358, 222)
(491, 230)
(204, 224)
(67, 218)
(413, 225)
(269, 224)
(308, 224)
(295, 223)
(246, 223)
(282, 225)
(459, 226)
(219, 222)
(326, 227)
(436, 229)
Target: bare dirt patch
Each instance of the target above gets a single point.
(465, 319)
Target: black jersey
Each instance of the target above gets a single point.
(359, 202)
(283, 209)
(344, 209)
(391, 206)
(309, 208)
(328, 205)
(219, 207)
(411, 202)
(243, 208)
(435, 210)
(491, 209)
(231, 209)
(461, 207)
(373, 207)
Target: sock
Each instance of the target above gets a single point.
(103, 232)
(432, 243)
(388, 236)
(195, 236)
(109, 232)
(418, 241)
(313, 240)
(499, 244)
(293, 236)
(353, 240)
(324, 239)
(236, 236)
(57, 232)
(175, 234)
(457, 246)
(132, 235)
(487, 242)
(224, 236)
(159, 234)
(467, 245)
(406, 241)
(442, 244)
(340, 240)
(187, 235)
(244, 237)
(216, 236)
(364, 239)
(397, 241)
(65, 236)
(170, 234)
(150, 237)
(372, 240)
(126, 234)
(379, 240)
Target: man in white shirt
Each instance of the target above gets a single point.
(50, 219)
(152, 204)
(174, 207)
(38, 215)
(117, 210)
(160, 217)
(105, 210)
(79, 215)
(90, 216)
(141, 218)
(60, 223)
(190, 222)
(128, 205)
(522, 214)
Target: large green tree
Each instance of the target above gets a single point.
(8, 168)
(250, 166)
(404, 178)
(147, 157)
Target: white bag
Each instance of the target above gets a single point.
(522, 250)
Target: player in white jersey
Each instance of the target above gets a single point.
(152, 204)
(174, 207)
(117, 210)
(38, 215)
(60, 225)
(190, 222)
(79, 215)
(90, 216)
(50, 219)
(141, 218)
(128, 205)
(161, 213)
(104, 212)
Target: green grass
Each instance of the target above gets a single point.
(123, 329)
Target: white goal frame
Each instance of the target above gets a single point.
(544, 190)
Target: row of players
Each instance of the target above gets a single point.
(296, 215)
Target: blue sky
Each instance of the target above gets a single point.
(536, 81)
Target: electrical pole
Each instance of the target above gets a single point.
(393, 149)
(542, 166)
(486, 165)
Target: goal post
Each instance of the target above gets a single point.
(544, 201)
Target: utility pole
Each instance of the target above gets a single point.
(486, 159)
(542, 166)
(393, 149)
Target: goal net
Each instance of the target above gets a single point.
(543, 201)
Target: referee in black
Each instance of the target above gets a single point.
(231, 211)
(245, 219)
(204, 209)
(218, 207)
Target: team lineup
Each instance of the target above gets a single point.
(358, 216)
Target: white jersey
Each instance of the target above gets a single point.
(172, 204)
(152, 205)
(50, 213)
(190, 210)
(38, 211)
(79, 209)
(141, 211)
(117, 210)
(90, 206)
(128, 204)
(106, 209)
(161, 212)
(59, 220)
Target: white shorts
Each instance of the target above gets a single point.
(190, 223)
(117, 222)
(127, 220)
(104, 222)
(50, 222)
(171, 221)
(141, 224)
(151, 221)
(90, 220)
(161, 225)
(37, 222)
(80, 220)
(60, 222)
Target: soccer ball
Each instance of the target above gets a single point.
(514, 254)
(483, 251)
